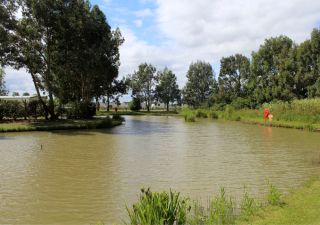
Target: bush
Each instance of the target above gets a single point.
(213, 115)
(12, 109)
(135, 104)
(81, 110)
(199, 113)
(159, 208)
(35, 109)
(117, 117)
(219, 107)
(189, 117)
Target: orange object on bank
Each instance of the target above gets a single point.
(270, 117)
(115, 109)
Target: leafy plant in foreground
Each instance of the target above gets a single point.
(222, 209)
(159, 208)
(274, 195)
(248, 205)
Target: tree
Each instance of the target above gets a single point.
(135, 104)
(15, 94)
(234, 72)
(115, 90)
(198, 87)
(143, 82)
(68, 50)
(3, 91)
(168, 90)
(26, 94)
(272, 77)
(308, 79)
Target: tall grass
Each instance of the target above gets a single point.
(189, 117)
(200, 113)
(274, 194)
(169, 208)
(222, 209)
(305, 111)
(159, 208)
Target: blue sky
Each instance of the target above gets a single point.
(174, 33)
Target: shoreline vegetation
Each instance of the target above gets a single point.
(297, 207)
(62, 124)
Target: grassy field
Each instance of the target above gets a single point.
(45, 125)
(300, 207)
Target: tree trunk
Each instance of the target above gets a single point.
(46, 108)
(167, 106)
(108, 101)
(97, 103)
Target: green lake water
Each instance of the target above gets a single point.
(85, 176)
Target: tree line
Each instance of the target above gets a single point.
(279, 70)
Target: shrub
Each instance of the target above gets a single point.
(213, 115)
(117, 117)
(35, 109)
(135, 104)
(12, 109)
(159, 208)
(81, 110)
(189, 117)
(199, 113)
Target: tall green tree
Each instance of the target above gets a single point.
(308, 78)
(68, 49)
(233, 76)
(168, 89)
(272, 79)
(143, 83)
(198, 87)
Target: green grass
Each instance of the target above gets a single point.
(300, 207)
(40, 125)
(189, 117)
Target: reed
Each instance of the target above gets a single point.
(158, 208)
(189, 117)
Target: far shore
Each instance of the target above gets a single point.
(20, 125)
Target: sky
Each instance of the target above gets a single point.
(174, 33)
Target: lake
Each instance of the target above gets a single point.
(86, 176)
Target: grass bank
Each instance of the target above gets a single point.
(298, 114)
(63, 124)
(300, 207)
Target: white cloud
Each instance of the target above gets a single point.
(138, 23)
(119, 20)
(222, 28)
(206, 30)
(107, 2)
(144, 13)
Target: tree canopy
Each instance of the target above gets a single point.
(198, 87)
(66, 46)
